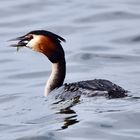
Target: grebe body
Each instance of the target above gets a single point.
(90, 88)
(49, 44)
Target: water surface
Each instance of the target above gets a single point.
(103, 39)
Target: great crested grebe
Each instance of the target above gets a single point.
(49, 44)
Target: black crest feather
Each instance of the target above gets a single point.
(53, 36)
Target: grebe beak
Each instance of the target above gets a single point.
(18, 38)
(22, 42)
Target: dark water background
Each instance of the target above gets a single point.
(103, 41)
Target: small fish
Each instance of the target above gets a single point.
(17, 46)
(22, 42)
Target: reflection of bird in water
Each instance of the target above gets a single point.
(49, 44)
(69, 120)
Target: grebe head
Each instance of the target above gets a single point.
(49, 44)
(43, 41)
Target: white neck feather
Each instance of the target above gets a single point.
(57, 76)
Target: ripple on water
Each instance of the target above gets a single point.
(102, 58)
(6, 61)
(107, 16)
(29, 75)
(97, 48)
(50, 136)
(135, 39)
(8, 98)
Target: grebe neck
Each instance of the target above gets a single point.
(57, 76)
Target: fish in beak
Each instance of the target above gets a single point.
(22, 42)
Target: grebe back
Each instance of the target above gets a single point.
(49, 44)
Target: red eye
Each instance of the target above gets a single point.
(30, 36)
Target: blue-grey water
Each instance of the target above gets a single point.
(103, 41)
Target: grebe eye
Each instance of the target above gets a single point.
(30, 36)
